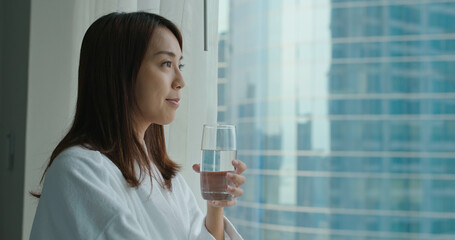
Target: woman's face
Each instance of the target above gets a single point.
(159, 80)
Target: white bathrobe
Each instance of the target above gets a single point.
(85, 197)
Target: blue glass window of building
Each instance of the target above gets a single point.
(345, 112)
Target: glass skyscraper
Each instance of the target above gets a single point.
(345, 112)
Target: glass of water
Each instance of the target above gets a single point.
(218, 150)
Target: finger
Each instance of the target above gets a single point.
(237, 192)
(223, 203)
(197, 168)
(239, 166)
(239, 180)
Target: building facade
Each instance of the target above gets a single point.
(345, 112)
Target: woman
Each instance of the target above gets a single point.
(110, 176)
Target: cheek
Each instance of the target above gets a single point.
(143, 98)
(148, 100)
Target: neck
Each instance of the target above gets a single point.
(141, 127)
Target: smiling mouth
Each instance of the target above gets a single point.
(174, 101)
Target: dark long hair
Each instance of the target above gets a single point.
(111, 54)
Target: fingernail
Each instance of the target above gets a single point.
(235, 162)
(229, 175)
(230, 188)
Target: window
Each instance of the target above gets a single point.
(345, 112)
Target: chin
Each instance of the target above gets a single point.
(165, 121)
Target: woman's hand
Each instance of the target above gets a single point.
(236, 178)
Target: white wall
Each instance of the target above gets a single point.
(52, 90)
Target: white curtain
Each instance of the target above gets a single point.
(56, 32)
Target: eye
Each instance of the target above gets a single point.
(181, 66)
(167, 64)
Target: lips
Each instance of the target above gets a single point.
(173, 101)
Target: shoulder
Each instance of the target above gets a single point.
(78, 174)
(81, 167)
(78, 154)
(81, 188)
(81, 159)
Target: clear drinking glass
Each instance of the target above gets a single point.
(218, 150)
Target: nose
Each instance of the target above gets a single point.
(178, 82)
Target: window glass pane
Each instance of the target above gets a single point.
(345, 114)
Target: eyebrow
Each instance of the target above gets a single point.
(167, 53)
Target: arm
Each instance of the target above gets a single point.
(214, 221)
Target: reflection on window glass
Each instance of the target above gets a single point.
(345, 112)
